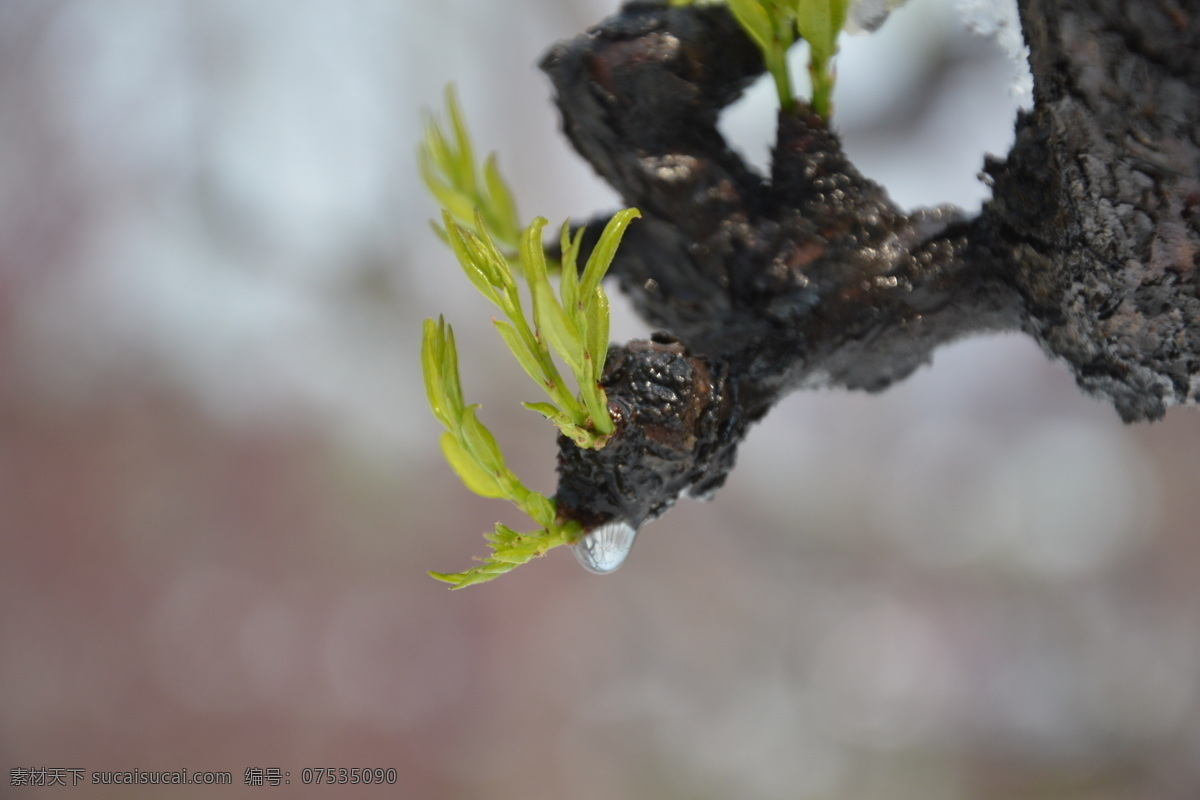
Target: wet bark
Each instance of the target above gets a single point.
(1098, 205)
(811, 276)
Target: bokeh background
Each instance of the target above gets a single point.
(220, 488)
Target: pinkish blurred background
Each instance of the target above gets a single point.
(220, 488)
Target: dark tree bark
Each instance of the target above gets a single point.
(814, 278)
(1097, 209)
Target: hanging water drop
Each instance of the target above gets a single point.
(604, 549)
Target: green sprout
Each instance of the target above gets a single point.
(570, 325)
(447, 164)
(573, 326)
(473, 453)
(774, 25)
(820, 22)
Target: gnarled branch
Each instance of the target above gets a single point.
(814, 277)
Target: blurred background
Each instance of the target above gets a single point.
(220, 487)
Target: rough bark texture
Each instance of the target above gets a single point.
(813, 277)
(1098, 206)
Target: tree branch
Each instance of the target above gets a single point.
(815, 278)
(1098, 205)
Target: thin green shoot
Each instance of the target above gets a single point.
(774, 25)
(474, 455)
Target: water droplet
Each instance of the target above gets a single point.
(604, 549)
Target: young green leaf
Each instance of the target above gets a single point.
(527, 360)
(569, 288)
(497, 268)
(540, 509)
(510, 549)
(753, 17)
(479, 443)
(606, 248)
(580, 436)
(570, 246)
(547, 410)
(431, 368)
(820, 22)
(471, 258)
(560, 331)
(448, 369)
(447, 197)
(464, 159)
(502, 206)
(533, 257)
(597, 331)
(439, 363)
(468, 470)
(598, 412)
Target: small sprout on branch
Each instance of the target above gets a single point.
(472, 451)
(820, 22)
(573, 325)
(479, 223)
(447, 164)
(774, 26)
